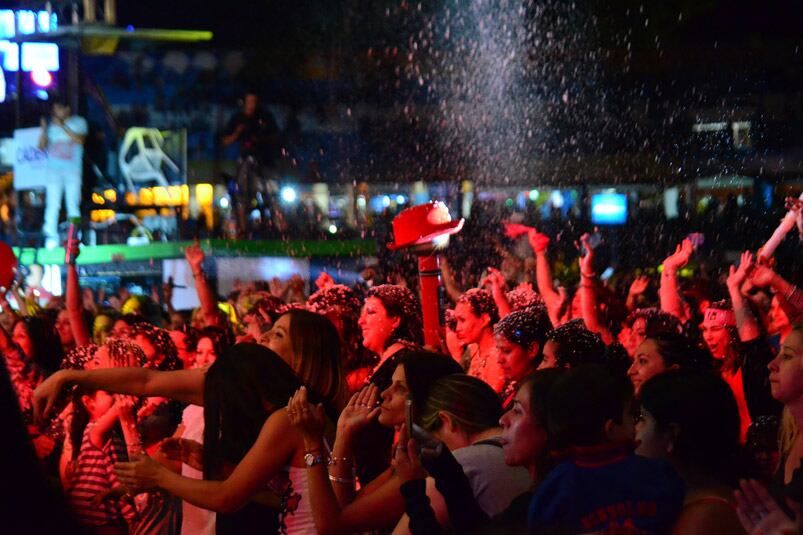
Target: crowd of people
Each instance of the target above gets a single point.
(543, 409)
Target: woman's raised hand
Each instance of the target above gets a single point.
(539, 242)
(194, 255)
(306, 418)
(361, 410)
(495, 280)
(680, 257)
(639, 285)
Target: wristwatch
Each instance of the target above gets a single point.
(311, 459)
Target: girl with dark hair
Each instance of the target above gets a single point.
(570, 345)
(159, 348)
(341, 306)
(520, 338)
(476, 314)
(186, 446)
(378, 505)
(210, 343)
(664, 352)
(243, 393)
(309, 343)
(19, 357)
(37, 339)
(738, 343)
(690, 418)
(644, 323)
(390, 321)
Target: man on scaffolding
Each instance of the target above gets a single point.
(62, 135)
(258, 136)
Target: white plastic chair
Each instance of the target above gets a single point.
(146, 163)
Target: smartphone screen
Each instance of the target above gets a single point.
(408, 415)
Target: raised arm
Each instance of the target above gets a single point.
(543, 274)
(789, 221)
(789, 296)
(745, 320)
(496, 281)
(637, 288)
(195, 258)
(186, 386)
(128, 424)
(669, 293)
(75, 310)
(273, 449)
(588, 294)
(449, 284)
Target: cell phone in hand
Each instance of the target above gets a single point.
(697, 239)
(427, 445)
(72, 237)
(593, 241)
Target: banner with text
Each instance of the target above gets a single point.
(30, 162)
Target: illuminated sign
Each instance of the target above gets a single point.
(609, 209)
(35, 56)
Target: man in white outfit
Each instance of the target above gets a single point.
(63, 138)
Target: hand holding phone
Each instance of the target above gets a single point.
(71, 251)
(428, 446)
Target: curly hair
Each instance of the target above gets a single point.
(576, 345)
(525, 327)
(400, 302)
(165, 347)
(77, 357)
(481, 303)
(336, 296)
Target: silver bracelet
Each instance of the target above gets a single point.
(335, 460)
(342, 480)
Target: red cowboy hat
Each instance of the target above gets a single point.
(423, 223)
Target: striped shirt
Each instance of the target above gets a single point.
(94, 474)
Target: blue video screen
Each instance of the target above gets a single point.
(609, 209)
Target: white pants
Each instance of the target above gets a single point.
(66, 183)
